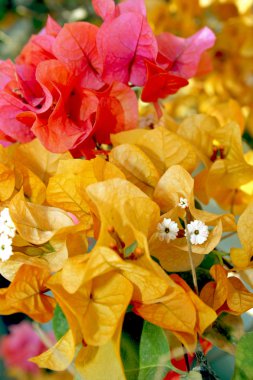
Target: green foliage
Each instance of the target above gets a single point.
(60, 323)
(243, 358)
(130, 356)
(154, 353)
(129, 250)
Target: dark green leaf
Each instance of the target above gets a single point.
(130, 356)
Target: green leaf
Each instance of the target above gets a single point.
(128, 250)
(243, 358)
(154, 354)
(210, 260)
(60, 323)
(130, 356)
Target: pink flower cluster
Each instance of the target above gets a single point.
(72, 86)
(20, 345)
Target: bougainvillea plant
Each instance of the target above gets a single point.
(103, 228)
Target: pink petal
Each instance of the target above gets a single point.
(52, 27)
(10, 108)
(117, 111)
(184, 54)
(124, 43)
(136, 6)
(75, 46)
(104, 8)
(68, 122)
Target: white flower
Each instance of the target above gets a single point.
(183, 202)
(7, 226)
(197, 231)
(5, 247)
(167, 230)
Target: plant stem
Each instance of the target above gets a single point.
(228, 235)
(194, 276)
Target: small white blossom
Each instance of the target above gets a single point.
(5, 247)
(197, 231)
(183, 202)
(7, 226)
(167, 230)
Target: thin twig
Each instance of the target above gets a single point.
(228, 235)
(194, 276)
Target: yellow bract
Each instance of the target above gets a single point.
(226, 294)
(26, 294)
(36, 223)
(241, 257)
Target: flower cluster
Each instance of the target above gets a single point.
(196, 230)
(73, 86)
(7, 233)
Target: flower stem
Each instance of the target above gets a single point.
(194, 276)
(228, 235)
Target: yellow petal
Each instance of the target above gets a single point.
(175, 183)
(58, 357)
(205, 315)
(36, 223)
(128, 137)
(25, 294)
(239, 298)
(66, 189)
(240, 257)
(104, 170)
(96, 308)
(244, 228)
(108, 200)
(103, 362)
(201, 130)
(175, 312)
(7, 182)
(39, 160)
(166, 148)
(110, 296)
(32, 185)
(9, 268)
(228, 111)
(136, 166)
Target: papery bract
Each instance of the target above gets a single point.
(40, 47)
(75, 46)
(125, 40)
(58, 357)
(160, 83)
(182, 56)
(96, 308)
(25, 291)
(38, 159)
(226, 294)
(78, 115)
(37, 223)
